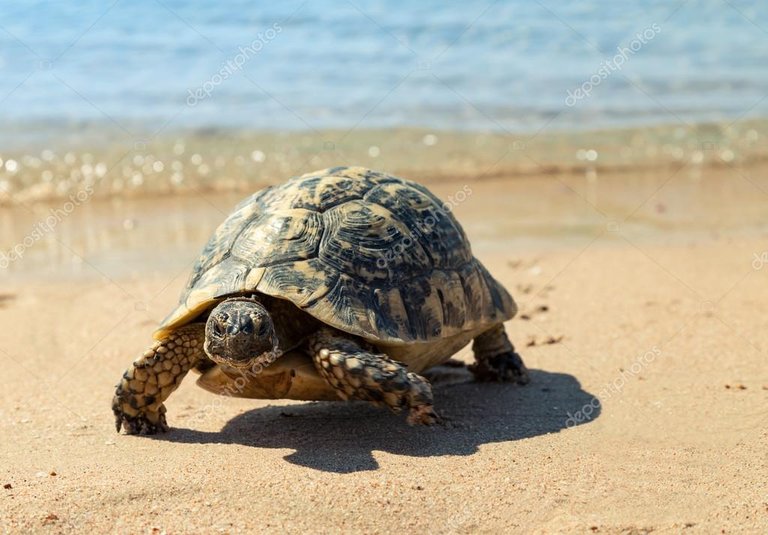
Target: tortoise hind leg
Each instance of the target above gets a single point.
(147, 383)
(496, 358)
(356, 373)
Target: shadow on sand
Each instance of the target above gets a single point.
(341, 437)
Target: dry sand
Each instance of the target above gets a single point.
(670, 335)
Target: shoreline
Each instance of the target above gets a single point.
(238, 161)
(89, 236)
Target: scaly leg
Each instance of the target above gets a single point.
(138, 402)
(496, 358)
(357, 373)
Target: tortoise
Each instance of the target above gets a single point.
(344, 283)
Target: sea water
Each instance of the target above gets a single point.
(510, 65)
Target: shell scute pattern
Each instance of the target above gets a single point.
(328, 242)
(302, 282)
(424, 309)
(390, 311)
(279, 237)
(429, 224)
(500, 298)
(321, 192)
(361, 239)
(226, 277)
(452, 297)
(219, 246)
(346, 305)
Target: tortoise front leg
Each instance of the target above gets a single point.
(138, 402)
(357, 373)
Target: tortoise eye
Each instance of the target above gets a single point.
(218, 330)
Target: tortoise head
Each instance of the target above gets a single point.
(239, 332)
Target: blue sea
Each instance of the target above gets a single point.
(506, 66)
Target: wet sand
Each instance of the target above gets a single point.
(646, 293)
(97, 163)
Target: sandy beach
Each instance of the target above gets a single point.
(607, 161)
(641, 318)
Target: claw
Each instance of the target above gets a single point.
(144, 423)
(506, 367)
(423, 415)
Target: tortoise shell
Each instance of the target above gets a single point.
(367, 253)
